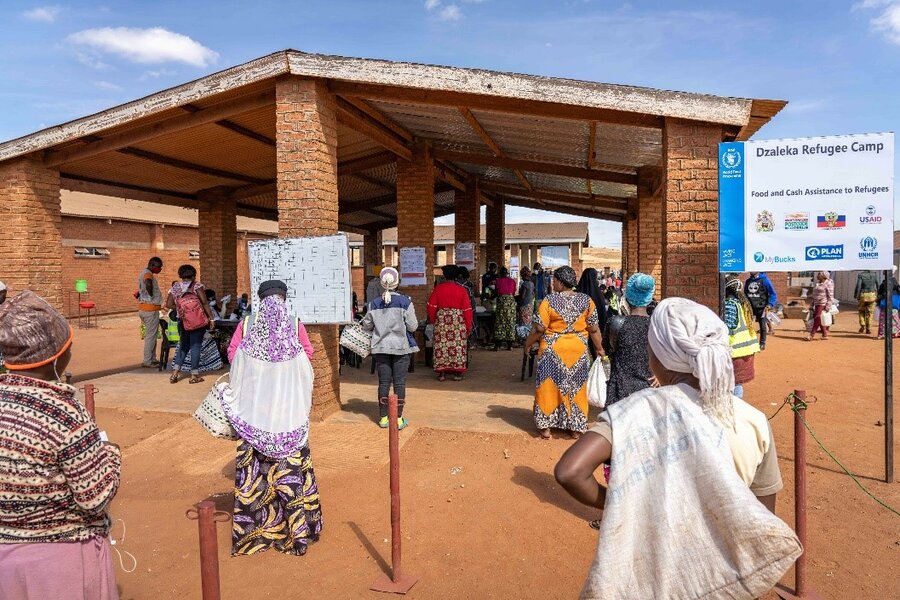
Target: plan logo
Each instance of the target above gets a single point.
(798, 221)
(765, 222)
(872, 217)
(731, 158)
(762, 258)
(831, 220)
(868, 245)
(830, 252)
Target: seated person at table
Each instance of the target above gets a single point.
(214, 304)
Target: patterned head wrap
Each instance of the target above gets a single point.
(273, 336)
(32, 333)
(390, 280)
(687, 337)
(733, 283)
(566, 276)
(826, 274)
(639, 289)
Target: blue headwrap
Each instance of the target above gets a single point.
(639, 289)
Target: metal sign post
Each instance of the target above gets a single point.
(398, 582)
(207, 516)
(887, 314)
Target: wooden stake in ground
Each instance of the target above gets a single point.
(398, 582)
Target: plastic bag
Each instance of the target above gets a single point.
(596, 385)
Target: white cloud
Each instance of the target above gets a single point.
(91, 59)
(450, 12)
(106, 85)
(146, 46)
(888, 22)
(804, 106)
(156, 74)
(43, 14)
(432, 4)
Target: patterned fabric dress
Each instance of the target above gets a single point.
(450, 309)
(560, 399)
(505, 315)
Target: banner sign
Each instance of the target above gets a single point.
(554, 256)
(807, 204)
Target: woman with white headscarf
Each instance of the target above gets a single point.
(820, 301)
(690, 356)
(267, 401)
(392, 320)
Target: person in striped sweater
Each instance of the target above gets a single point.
(57, 476)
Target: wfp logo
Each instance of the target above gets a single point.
(871, 218)
(868, 245)
(831, 252)
(731, 158)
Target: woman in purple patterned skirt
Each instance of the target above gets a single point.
(268, 399)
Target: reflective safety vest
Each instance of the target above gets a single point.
(172, 332)
(743, 342)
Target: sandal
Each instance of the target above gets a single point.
(595, 524)
(545, 434)
(195, 379)
(442, 377)
(176, 376)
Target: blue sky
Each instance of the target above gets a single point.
(837, 62)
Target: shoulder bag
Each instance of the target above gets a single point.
(356, 339)
(211, 415)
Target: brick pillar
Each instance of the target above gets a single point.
(495, 234)
(691, 224)
(468, 222)
(30, 236)
(650, 224)
(630, 243)
(372, 244)
(217, 221)
(415, 219)
(306, 163)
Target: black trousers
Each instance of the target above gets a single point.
(391, 369)
(763, 327)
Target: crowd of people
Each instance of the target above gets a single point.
(673, 353)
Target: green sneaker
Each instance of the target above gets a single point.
(383, 423)
(401, 423)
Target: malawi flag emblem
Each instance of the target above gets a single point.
(831, 220)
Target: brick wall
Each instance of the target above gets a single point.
(415, 217)
(691, 225)
(218, 241)
(306, 163)
(467, 228)
(650, 228)
(630, 242)
(30, 235)
(495, 234)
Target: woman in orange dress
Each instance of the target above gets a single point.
(564, 322)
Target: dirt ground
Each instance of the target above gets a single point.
(500, 527)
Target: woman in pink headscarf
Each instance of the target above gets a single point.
(821, 300)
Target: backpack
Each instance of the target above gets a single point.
(190, 310)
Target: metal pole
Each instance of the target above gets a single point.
(398, 583)
(887, 314)
(89, 391)
(800, 493)
(205, 514)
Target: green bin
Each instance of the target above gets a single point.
(81, 286)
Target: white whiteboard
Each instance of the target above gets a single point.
(316, 271)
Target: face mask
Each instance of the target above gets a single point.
(156, 270)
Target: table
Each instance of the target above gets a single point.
(484, 327)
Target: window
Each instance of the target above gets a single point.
(193, 255)
(356, 257)
(90, 252)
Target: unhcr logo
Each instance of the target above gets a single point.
(868, 245)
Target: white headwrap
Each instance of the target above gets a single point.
(390, 280)
(687, 337)
(2, 286)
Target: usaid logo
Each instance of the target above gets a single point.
(872, 217)
(831, 252)
(868, 245)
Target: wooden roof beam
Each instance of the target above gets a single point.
(580, 212)
(495, 103)
(591, 153)
(189, 166)
(380, 117)
(77, 183)
(605, 202)
(366, 125)
(535, 166)
(489, 141)
(174, 124)
(358, 205)
(365, 163)
(232, 126)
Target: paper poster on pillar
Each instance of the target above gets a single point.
(807, 204)
(316, 271)
(465, 255)
(412, 266)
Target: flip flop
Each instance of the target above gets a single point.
(175, 378)
(196, 379)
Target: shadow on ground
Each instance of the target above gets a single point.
(547, 491)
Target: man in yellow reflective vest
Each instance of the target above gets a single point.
(739, 318)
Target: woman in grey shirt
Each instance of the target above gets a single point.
(392, 320)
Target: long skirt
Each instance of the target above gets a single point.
(73, 570)
(505, 328)
(895, 323)
(450, 341)
(560, 398)
(210, 357)
(276, 503)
